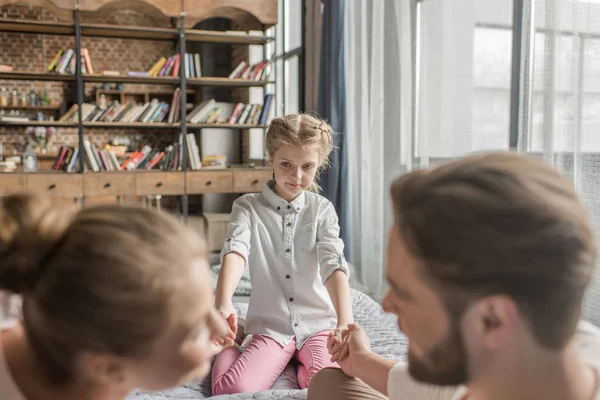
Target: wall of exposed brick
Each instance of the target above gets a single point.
(28, 52)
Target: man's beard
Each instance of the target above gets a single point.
(444, 365)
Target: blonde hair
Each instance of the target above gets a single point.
(100, 279)
(302, 130)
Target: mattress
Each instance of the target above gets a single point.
(380, 327)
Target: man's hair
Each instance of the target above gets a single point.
(501, 223)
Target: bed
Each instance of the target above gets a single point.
(381, 328)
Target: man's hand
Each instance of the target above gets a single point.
(348, 352)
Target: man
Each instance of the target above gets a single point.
(488, 261)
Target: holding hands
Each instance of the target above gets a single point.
(347, 346)
(227, 311)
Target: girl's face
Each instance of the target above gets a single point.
(186, 348)
(294, 168)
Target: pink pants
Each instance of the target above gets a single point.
(263, 360)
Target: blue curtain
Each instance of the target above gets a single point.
(332, 107)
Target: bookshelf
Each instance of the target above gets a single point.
(183, 182)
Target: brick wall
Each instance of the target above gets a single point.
(28, 52)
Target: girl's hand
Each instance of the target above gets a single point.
(337, 343)
(228, 312)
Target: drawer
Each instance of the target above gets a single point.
(12, 183)
(250, 181)
(209, 182)
(109, 184)
(165, 183)
(56, 185)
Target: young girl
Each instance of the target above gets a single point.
(102, 292)
(288, 236)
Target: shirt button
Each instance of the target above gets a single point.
(289, 224)
(229, 239)
(291, 299)
(287, 277)
(287, 250)
(278, 208)
(295, 325)
(289, 207)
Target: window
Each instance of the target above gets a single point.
(287, 51)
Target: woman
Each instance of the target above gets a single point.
(114, 298)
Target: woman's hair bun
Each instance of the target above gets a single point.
(30, 232)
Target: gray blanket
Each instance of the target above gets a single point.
(381, 328)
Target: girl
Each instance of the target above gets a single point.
(102, 292)
(288, 236)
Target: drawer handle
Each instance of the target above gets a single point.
(107, 185)
(208, 183)
(53, 186)
(255, 182)
(159, 184)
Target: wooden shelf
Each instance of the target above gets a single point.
(197, 35)
(54, 124)
(36, 27)
(130, 125)
(127, 125)
(225, 126)
(37, 76)
(160, 80)
(128, 32)
(32, 108)
(226, 82)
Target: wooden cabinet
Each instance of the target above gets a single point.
(55, 184)
(12, 183)
(198, 182)
(164, 183)
(250, 181)
(109, 184)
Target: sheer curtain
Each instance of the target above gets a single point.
(560, 112)
(426, 82)
(379, 72)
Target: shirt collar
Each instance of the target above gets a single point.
(280, 204)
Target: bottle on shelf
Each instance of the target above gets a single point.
(32, 98)
(23, 99)
(14, 100)
(3, 97)
(29, 159)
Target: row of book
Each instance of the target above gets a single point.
(64, 62)
(170, 66)
(153, 111)
(104, 159)
(207, 112)
(255, 72)
(212, 112)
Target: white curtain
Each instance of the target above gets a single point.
(378, 70)
(460, 70)
(560, 112)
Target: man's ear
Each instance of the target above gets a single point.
(495, 319)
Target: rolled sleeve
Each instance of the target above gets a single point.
(330, 247)
(238, 232)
